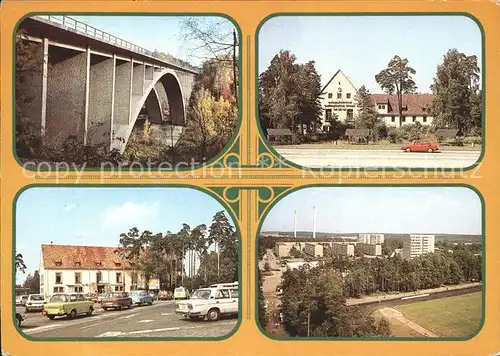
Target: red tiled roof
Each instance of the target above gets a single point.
(414, 102)
(68, 256)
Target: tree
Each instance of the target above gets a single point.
(217, 39)
(223, 236)
(397, 78)
(289, 94)
(263, 319)
(384, 328)
(367, 114)
(32, 282)
(19, 263)
(458, 99)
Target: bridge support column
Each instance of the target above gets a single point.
(66, 95)
(100, 99)
(123, 87)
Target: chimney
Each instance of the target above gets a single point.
(295, 224)
(314, 222)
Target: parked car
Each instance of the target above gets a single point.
(420, 147)
(34, 302)
(140, 297)
(91, 296)
(19, 300)
(116, 300)
(19, 318)
(165, 295)
(100, 297)
(22, 300)
(211, 302)
(64, 304)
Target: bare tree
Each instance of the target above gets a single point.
(215, 39)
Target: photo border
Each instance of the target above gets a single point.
(380, 338)
(125, 339)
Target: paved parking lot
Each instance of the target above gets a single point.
(157, 320)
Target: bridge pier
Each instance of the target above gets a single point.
(123, 95)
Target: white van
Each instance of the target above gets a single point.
(34, 302)
(211, 302)
(180, 293)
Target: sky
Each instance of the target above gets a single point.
(162, 33)
(97, 216)
(436, 210)
(361, 46)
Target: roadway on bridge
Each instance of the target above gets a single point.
(317, 157)
(157, 320)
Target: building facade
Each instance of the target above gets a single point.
(313, 249)
(343, 249)
(374, 239)
(282, 249)
(338, 98)
(85, 269)
(370, 249)
(417, 245)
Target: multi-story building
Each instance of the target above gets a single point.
(85, 269)
(416, 245)
(282, 249)
(369, 249)
(313, 249)
(374, 239)
(342, 249)
(338, 98)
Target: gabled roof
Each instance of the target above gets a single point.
(82, 257)
(415, 103)
(336, 73)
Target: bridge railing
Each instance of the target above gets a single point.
(91, 31)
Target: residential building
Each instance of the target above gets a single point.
(374, 239)
(338, 99)
(85, 269)
(416, 245)
(342, 249)
(313, 249)
(370, 249)
(282, 249)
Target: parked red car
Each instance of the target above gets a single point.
(420, 147)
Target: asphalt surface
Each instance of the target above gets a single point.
(368, 308)
(338, 158)
(157, 320)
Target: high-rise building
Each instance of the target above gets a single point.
(373, 239)
(313, 249)
(416, 245)
(342, 249)
(370, 249)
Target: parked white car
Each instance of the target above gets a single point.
(34, 302)
(211, 302)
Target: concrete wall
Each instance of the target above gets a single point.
(66, 96)
(123, 92)
(100, 100)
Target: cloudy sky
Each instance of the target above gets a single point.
(363, 45)
(97, 216)
(447, 210)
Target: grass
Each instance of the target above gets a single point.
(398, 328)
(458, 316)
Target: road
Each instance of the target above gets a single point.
(315, 157)
(157, 320)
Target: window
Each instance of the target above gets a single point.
(350, 115)
(380, 106)
(58, 278)
(80, 297)
(222, 294)
(348, 95)
(78, 289)
(78, 278)
(78, 264)
(424, 119)
(403, 119)
(118, 288)
(72, 298)
(339, 83)
(59, 263)
(234, 293)
(98, 277)
(414, 118)
(339, 95)
(118, 277)
(134, 277)
(393, 119)
(58, 289)
(98, 263)
(328, 115)
(330, 95)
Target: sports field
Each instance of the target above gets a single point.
(458, 316)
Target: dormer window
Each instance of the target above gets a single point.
(98, 263)
(78, 264)
(118, 264)
(58, 263)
